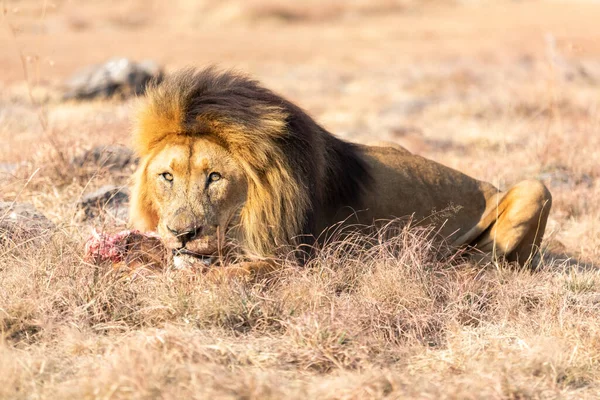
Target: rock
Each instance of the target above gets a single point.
(109, 199)
(119, 76)
(585, 72)
(113, 157)
(22, 222)
(561, 177)
(8, 168)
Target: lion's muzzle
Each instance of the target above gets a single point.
(186, 235)
(190, 238)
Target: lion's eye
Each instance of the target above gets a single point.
(167, 176)
(214, 176)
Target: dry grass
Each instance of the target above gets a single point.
(387, 320)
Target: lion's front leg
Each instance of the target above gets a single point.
(248, 270)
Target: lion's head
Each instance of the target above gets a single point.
(223, 157)
(197, 190)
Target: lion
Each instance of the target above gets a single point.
(223, 159)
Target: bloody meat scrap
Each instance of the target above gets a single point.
(131, 248)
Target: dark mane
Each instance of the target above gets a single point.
(262, 129)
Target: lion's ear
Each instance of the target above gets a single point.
(142, 212)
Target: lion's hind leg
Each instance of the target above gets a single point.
(520, 220)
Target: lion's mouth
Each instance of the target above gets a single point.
(200, 248)
(186, 252)
(202, 251)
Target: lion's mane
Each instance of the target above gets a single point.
(297, 172)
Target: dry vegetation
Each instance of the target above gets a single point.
(383, 321)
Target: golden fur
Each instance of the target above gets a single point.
(274, 198)
(300, 179)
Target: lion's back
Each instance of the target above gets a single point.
(406, 184)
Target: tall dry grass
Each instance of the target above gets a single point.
(388, 321)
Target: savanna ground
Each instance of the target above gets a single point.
(501, 90)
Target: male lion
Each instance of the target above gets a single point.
(224, 158)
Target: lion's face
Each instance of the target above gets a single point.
(196, 189)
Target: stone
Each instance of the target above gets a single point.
(21, 222)
(113, 157)
(116, 77)
(562, 177)
(8, 168)
(109, 199)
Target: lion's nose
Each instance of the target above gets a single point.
(185, 235)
